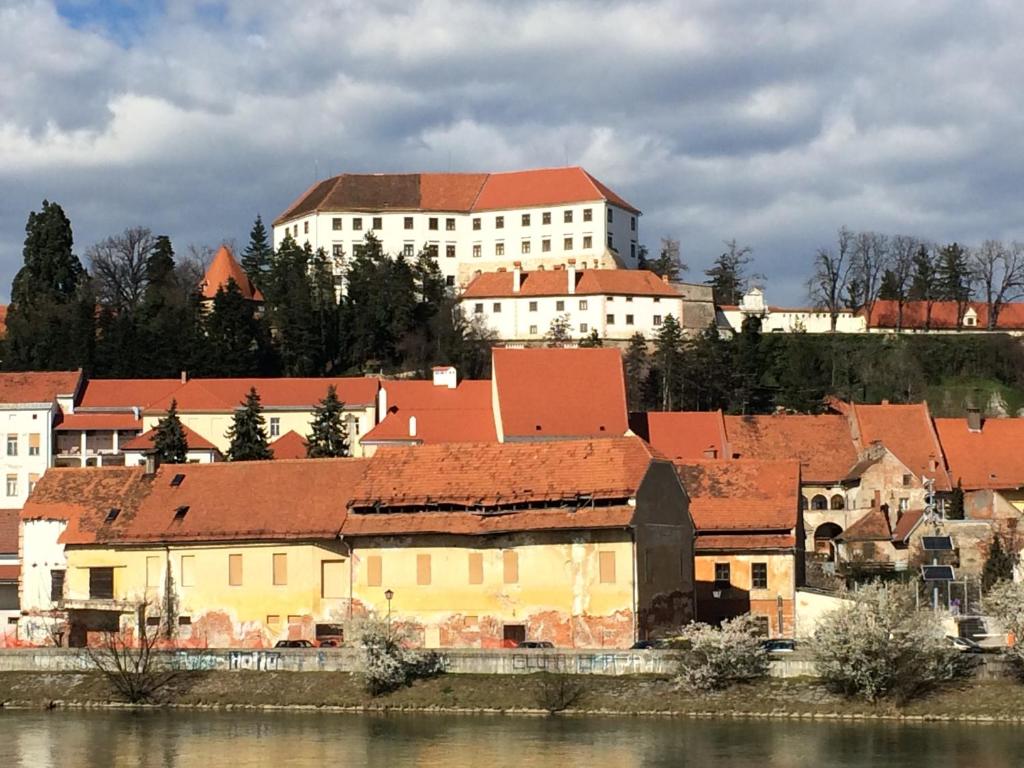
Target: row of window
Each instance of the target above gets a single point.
(758, 575)
(475, 568)
(14, 486)
(478, 309)
(33, 444)
(434, 222)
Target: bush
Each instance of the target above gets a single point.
(716, 657)
(557, 691)
(388, 663)
(1005, 602)
(880, 647)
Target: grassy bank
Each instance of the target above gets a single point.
(991, 700)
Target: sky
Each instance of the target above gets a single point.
(771, 122)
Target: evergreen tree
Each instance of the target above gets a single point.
(954, 278)
(749, 392)
(924, 282)
(709, 372)
(306, 342)
(728, 275)
(51, 320)
(889, 290)
(635, 362)
(801, 375)
(593, 340)
(169, 442)
(956, 504)
(247, 432)
(236, 342)
(329, 435)
(667, 361)
(669, 262)
(559, 332)
(257, 256)
(641, 258)
(998, 566)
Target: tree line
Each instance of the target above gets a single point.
(137, 311)
(864, 267)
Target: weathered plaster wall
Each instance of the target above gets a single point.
(740, 597)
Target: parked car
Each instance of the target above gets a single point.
(293, 644)
(647, 645)
(779, 645)
(328, 644)
(535, 644)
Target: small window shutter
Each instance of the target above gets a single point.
(235, 570)
(280, 569)
(510, 561)
(374, 571)
(476, 568)
(607, 567)
(423, 569)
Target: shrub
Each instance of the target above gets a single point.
(879, 646)
(557, 691)
(388, 663)
(1005, 602)
(716, 657)
(129, 662)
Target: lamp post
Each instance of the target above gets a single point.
(388, 594)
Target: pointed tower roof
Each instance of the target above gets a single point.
(223, 267)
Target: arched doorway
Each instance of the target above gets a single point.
(824, 540)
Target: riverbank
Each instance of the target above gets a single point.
(986, 701)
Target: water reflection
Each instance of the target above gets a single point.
(208, 740)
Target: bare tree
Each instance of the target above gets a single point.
(129, 663)
(1000, 271)
(119, 267)
(869, 261)
(831, 277)
(902, 250)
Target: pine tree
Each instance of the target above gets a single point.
(998, 566)
(329, 435)
(257, 256)
(954, 277)
(667, 361)
(236, 340)
(727, 276)
(169, 442)
(248, 434)
(956, 504)
(51, 320)
(292, 311)
(169, 317)
(635, 362)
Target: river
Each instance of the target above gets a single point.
(212, 739)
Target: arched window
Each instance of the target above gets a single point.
(838, 502)
(819, 502)
(803, 503)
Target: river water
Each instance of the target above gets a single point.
(213, 739)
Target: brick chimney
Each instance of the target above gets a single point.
(571, 271)
(445, 376)
(184, 377)
(152, 462)
(517, 276)
(412, 426)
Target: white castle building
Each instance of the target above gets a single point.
(474, 222)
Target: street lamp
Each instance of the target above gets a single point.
(388, 594)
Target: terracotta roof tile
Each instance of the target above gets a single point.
(108, 394)
(907, 431)
(225, 267)
(885, 314)
(822, 444)
(471, 524)
(78, 421)
(588, 282)
(290, 445)
(874, 526)
(455, 192)
(144, 442)
(992, 458)
(906, 525)
(460, 415)
(557, 393)
(742, 495)
(8, 531)
(743, 542)
(226, 395)
(38, 387)
(495, 474)
(687, 435)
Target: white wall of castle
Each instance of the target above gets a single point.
(26, 450)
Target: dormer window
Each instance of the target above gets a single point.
(177, 480)
(180, 512)
(112, 514)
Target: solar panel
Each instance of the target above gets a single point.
(937, 573)
(937, 543)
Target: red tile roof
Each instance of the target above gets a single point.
(108, 394)
(98, 421)
(454, 192)
(492, 474)
(144, 442)
(906, 524)
(742, 542)
(291, 445)
(38, 387)
(822, 444)
(240, 501)
(460, 415)
(225, 267)
(555, 393)
(742, 496)
(885, 314)
(588, 282)
(907, 431)
(688, 435)
(8, 531)
(476, 524)
(992, 458)
(873, 526)
(226, 395)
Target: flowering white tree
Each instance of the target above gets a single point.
(717, 657)
(388, 662)
(880, 646)
(1005, 602)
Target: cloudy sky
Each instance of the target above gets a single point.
(770, 122)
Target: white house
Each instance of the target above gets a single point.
(520, 306)
(474, 222)
(786, 320)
